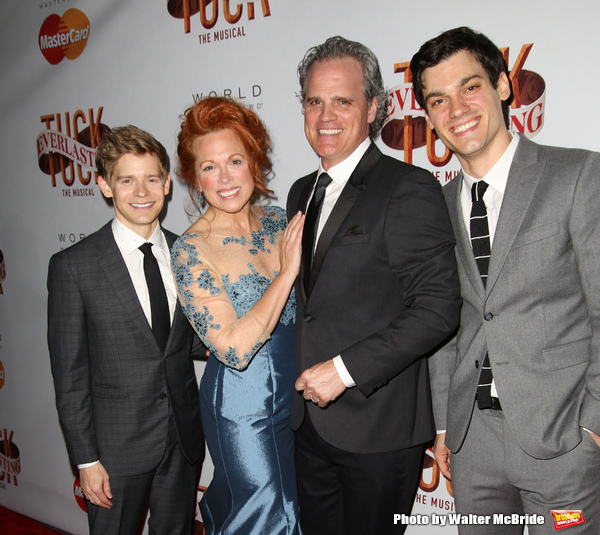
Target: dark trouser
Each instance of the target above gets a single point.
(168, 491)
(343, 493)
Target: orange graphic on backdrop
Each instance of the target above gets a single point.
(64, 37)
(10, 459)
(209, 11)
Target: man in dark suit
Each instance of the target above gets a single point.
(378, 295)
(517, 391)
(126, 391)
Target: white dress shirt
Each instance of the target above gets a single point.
(128, 243)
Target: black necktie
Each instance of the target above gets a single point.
(480, 242)
(311, 224)
(161, 320)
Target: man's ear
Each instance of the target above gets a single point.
(503, 86)
(428, 121)
(167, 184)
(372, 110)
(105, 187)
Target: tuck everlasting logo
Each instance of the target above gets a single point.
(64, 37)
(211, 11)
(430, 492)
(66, 149)
(10, 459)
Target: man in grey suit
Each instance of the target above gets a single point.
(126, 391)
(517, 391)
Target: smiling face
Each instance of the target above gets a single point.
(138, 192)
(222, 171)
(336, 112)
(465, 110)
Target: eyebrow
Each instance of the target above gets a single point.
(120, 177)
(461, 83)
(338, 97)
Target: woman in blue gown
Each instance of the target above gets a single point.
(235, 268)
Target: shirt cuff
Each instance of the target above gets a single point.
(87, 465)
(343, 372)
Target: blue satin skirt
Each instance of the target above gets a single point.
(245, 417)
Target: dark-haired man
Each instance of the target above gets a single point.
(377, 291)
(126, 391)
(517, 391)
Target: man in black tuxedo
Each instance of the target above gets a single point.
(126, 391)
(377, 292)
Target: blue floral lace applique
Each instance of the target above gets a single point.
(247, 290)
(272, 222)
(243, 294)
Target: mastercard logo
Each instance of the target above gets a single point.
(64, 37)
(79, 495)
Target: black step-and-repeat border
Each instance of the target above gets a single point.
(73, 68)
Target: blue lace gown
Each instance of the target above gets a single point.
(247, 386)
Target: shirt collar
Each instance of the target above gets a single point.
(340, 173)
(128, 240)
(497, 176)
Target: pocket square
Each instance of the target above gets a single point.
(354, 230)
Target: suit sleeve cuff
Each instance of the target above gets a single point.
(343, 372)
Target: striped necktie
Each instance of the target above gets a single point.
(480, 242)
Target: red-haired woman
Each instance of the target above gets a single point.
(235, 268)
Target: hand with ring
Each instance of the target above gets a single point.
(313, 399)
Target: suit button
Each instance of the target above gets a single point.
(477, 364)
(488, 316)
(163, 396)
(307, 318)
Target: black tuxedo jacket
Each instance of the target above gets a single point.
(384, 293)
(114, 387)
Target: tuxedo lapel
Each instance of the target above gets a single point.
(113, 267)
(303, 206)
(305, 193)
(523, 179)
(351, 192)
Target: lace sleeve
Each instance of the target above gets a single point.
(202, 293)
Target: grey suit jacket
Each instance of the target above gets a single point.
(539, 316)
(384, 294)
(114, 387)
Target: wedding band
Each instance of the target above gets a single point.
(313, 399)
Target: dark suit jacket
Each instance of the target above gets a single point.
(114, 386)
(385, 294)
(539, 315)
